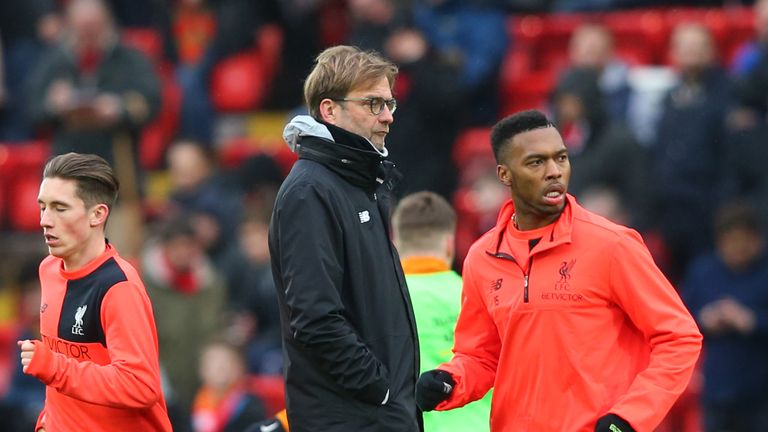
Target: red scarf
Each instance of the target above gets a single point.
(184, 281)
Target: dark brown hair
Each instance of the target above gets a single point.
(96, 181)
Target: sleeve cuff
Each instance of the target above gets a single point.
(375, 393)
(40, 365)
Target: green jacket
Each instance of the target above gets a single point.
(436, 296)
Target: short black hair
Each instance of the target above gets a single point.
(517, 123)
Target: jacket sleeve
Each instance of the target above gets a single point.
(644, 294)
(476, 347)
(141, 100)
(132, 378)
(311, 262)
(36, 90)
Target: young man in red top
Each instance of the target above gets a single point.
(564, 313)
(98, 356)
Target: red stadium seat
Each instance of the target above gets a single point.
(3, 204)
(333, 22)
(640, 37)
(529, 92)
(269, 43)
(24, 213)
(271, 390)
(471, 144)
(156, 136)
(21, 166)
(239, 83)
(147, 40)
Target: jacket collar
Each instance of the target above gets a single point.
(561, 232)
(423, 265)
(349, 155)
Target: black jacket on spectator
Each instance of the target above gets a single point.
(349, 334)
(606, 153)
(688, 162)
(123, 71)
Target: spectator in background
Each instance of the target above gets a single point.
(188, 296)
(223, 403)
(349, 339)
(747, 120)
(750, 76)
(303, 36)
(749, 56)
(472, 35)
(252, 294)
(725, 290)
(591, 47)
(602, 151)
(26, 28)
(94, 92)
(687, 159)
(423, 225)
(202, 193)
(147, 14)
(431, 102)
(194, 29)
(207, 32)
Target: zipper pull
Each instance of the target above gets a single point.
(525, 289)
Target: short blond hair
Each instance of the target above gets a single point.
(340, 69)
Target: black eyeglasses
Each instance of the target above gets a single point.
(376, 104)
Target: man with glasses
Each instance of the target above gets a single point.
(349, 334)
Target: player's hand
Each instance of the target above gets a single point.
(27, 352)
(433, 387)
(612, 423)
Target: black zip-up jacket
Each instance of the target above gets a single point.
(349, 336)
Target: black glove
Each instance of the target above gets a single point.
(612, 423)
(271, 425)
(433, 387)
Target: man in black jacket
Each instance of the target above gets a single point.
(349, 335)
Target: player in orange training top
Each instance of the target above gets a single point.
(98, 356)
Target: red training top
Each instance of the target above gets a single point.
(99, 354)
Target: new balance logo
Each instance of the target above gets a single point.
(496, 285)
(364, 216)
(78, 327)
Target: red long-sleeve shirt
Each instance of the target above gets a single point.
(99, 353)
(581, 325)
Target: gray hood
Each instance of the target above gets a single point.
(304, 125)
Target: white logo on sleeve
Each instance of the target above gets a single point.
(270, 427)
(364, 216)
(78, 327)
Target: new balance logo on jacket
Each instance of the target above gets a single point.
(364, 216)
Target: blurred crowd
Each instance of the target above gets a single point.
(169, 92)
